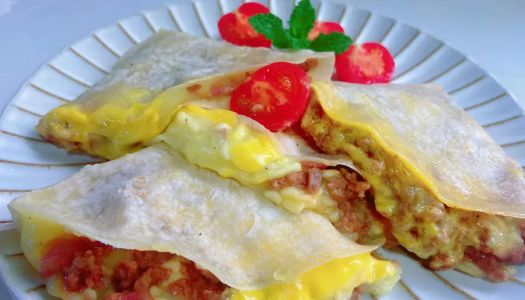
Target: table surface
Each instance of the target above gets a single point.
(489, 32)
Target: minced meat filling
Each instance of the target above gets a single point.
(104, 272)
(355, 214)
(421, 223)
(196, 283)
(308, 179)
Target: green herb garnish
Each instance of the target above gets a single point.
(295, 37)
(335, 41)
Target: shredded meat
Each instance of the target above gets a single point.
(308, 179)
(85, 270)
(196, 284)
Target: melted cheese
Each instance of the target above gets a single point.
(35, 233)
(217, 140)
(120, 120)
(334, 280)
(97, 128)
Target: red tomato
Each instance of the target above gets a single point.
(324, 27)
(366, 63)
(275, 95)
(60, 253)
(235, 28)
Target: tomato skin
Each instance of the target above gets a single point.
(366, 64)
(324, 27)
(60, 252)
(252, 8)
(275, 95)
(235, 28)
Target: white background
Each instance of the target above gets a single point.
(490, 32)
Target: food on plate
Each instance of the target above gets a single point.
(275, 95)
(243, 140)
(302, 31)
(279, 166)
(152, 225)
(325, 28)
(451, 195)
(365, 63)
(235, 28)
(136, 101)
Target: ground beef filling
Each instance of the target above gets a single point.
(308, 179)
(444, 237)
(138, 274)
(132, 276)
(196, 283)
(85, 270)
(357, 216)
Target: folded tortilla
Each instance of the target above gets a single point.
(135, 102)
(439, 178)
(156, 200)
(444, 148)
(279, 166)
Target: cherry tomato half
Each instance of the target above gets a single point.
(275, 95)
(324, 27)
(366, 63)
(235, 28)
(60, 253)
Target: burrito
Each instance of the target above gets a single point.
(152, 225)
(449, 193)
(137, 99)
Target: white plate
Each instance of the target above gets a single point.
(26, 162)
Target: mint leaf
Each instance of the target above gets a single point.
(335, 41)
(272, 28)
(296, 43)
(302, 19)
(301, 22)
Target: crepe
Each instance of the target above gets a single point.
(446, 187)
(155, 200)
(127, 108)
